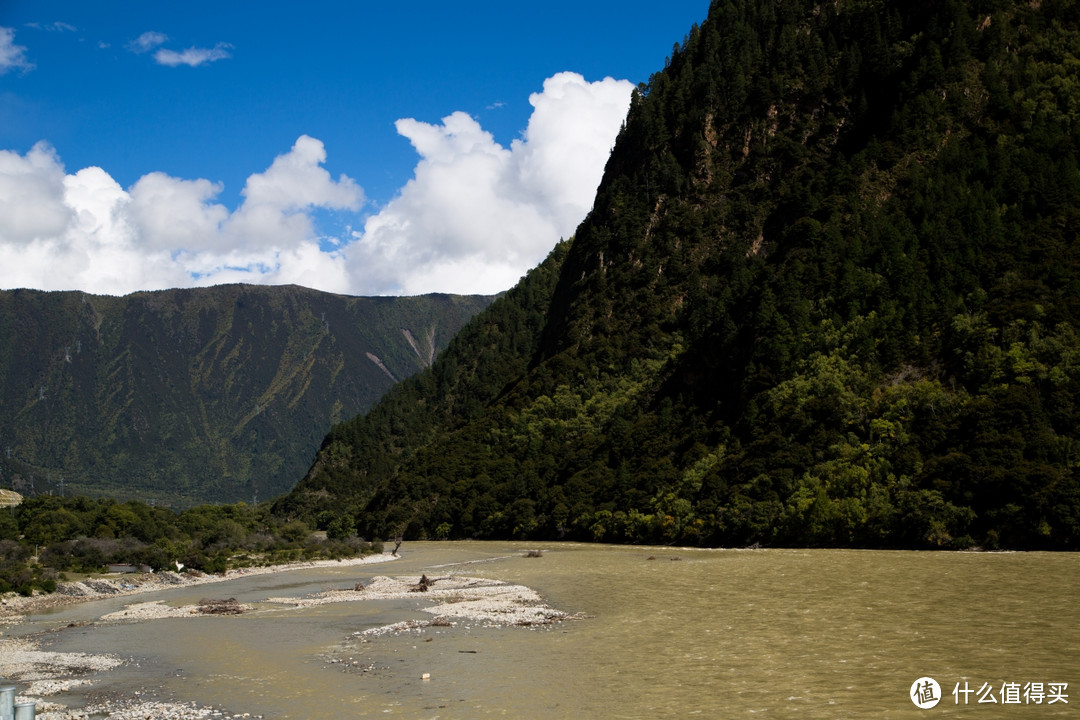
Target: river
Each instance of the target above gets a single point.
(663, 633)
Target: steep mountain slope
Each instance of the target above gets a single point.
(185, 396)
(827, 294)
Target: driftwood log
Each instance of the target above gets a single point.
(423, 585)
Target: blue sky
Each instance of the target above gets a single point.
(235, 111)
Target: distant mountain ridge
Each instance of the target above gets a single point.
(828, 294)
(197, 395)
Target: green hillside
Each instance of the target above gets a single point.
(193, 396)
(828, 295)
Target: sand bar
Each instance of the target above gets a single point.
(448, 599)
(39, 674)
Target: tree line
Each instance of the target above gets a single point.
(47, 538)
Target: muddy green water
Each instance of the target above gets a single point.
(669, 633)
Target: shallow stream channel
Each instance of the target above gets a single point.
(649, 633)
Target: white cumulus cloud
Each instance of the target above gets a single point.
(32, 196)
(477, 215)
(12, 56)
(175, 213)
(84, 231)
(473, 219)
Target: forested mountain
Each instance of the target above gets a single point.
(828, 294)
(192, 396)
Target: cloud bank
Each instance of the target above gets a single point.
(473, 219)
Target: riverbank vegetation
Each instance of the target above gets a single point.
(47, 537)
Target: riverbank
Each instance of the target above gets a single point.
(50, 678)
(14, 606)
(42, 674)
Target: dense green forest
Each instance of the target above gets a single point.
(201, 395)
(827, 295)
(47, 537)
